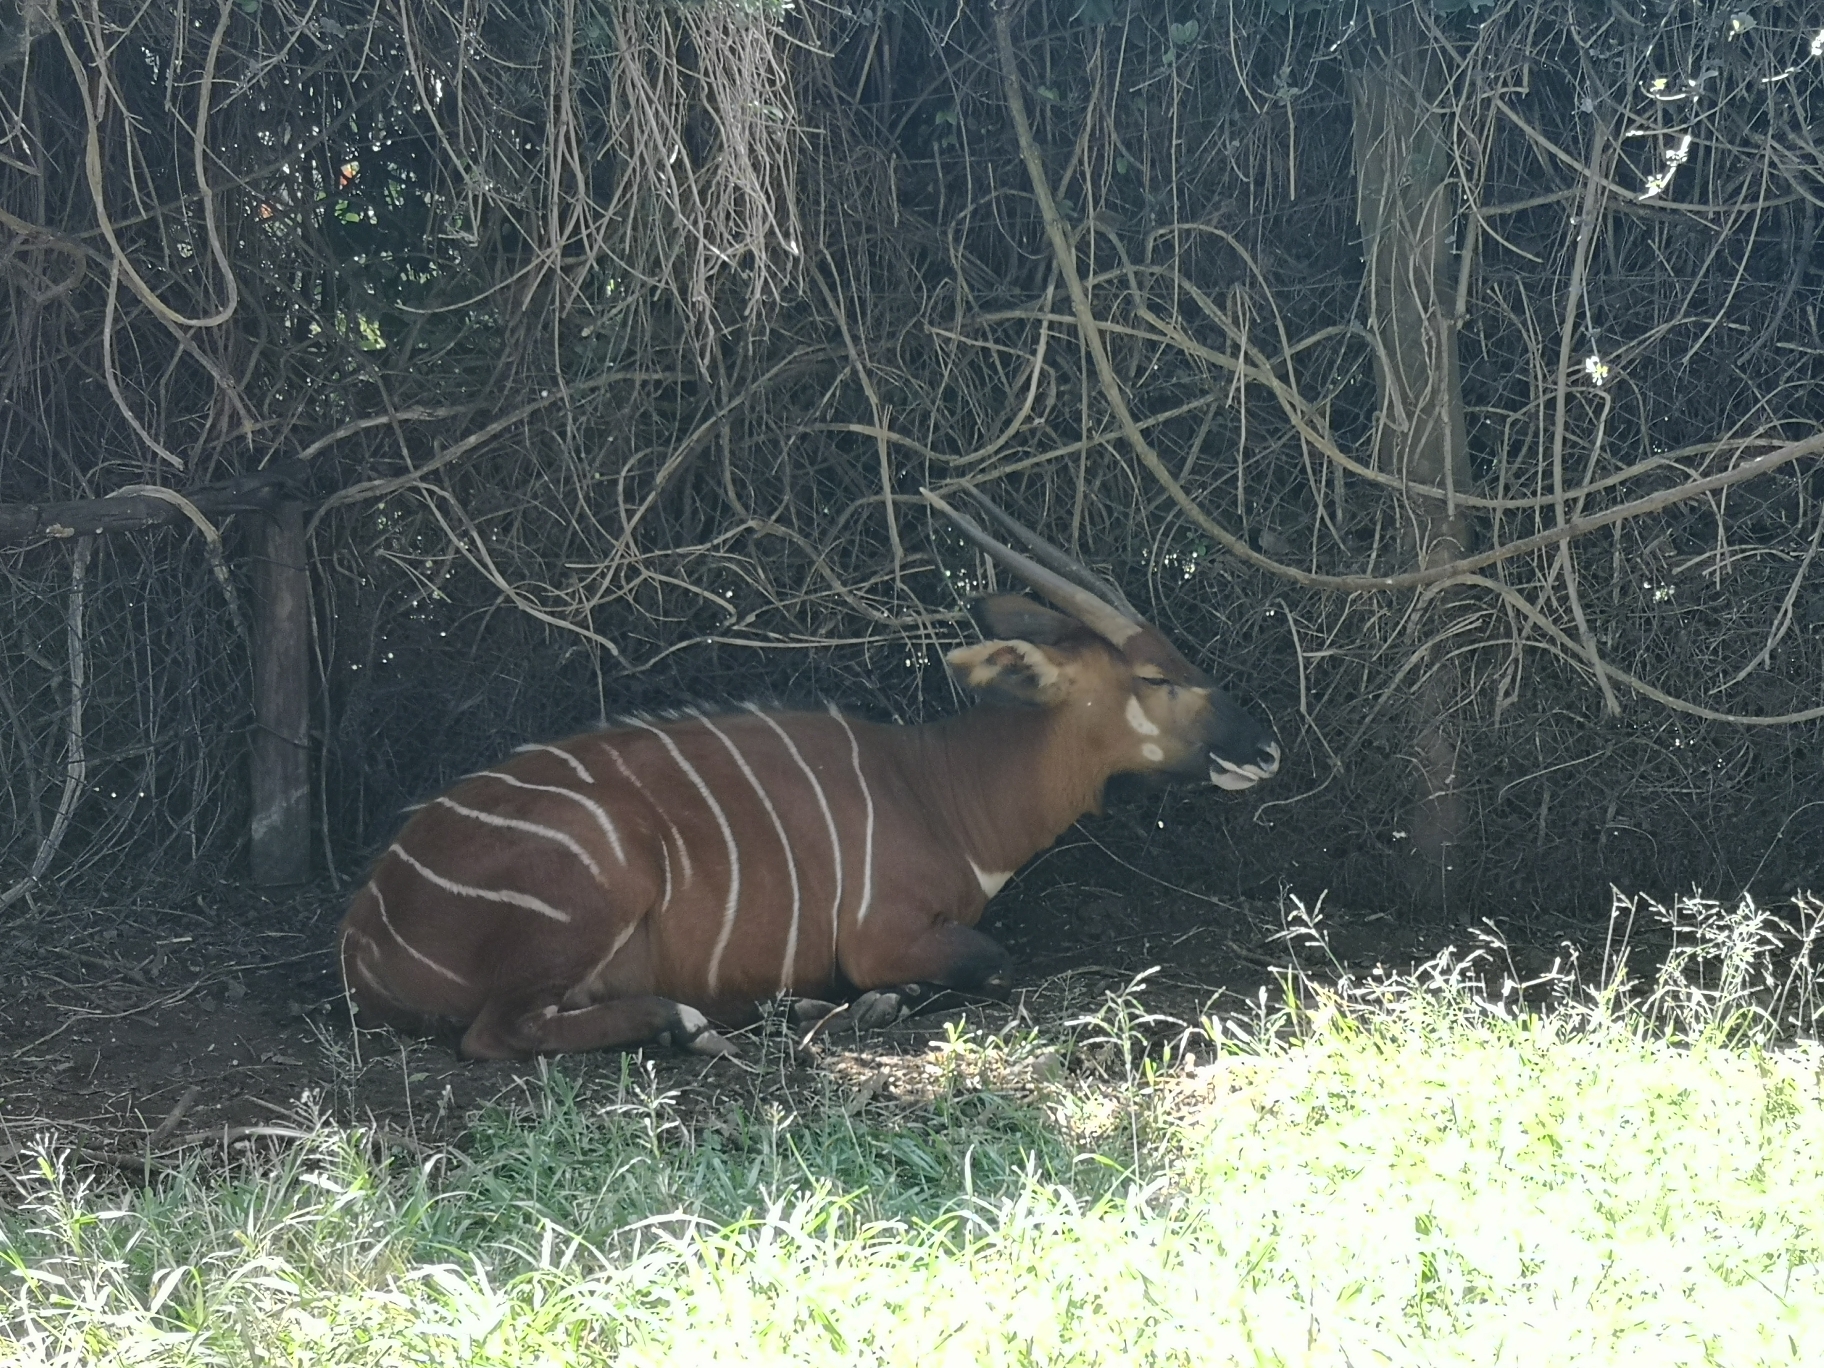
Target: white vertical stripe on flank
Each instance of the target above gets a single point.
(867, 850)
(595, 809)
(368, 974)
(785, 846)
(505, 895)
(728, 839)
(829, 821)
(406, 946)
(676, 835)
(564, 755)
(494, 819)
(627, 931)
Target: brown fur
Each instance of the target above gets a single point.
(502, 907)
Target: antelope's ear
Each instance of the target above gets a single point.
(1016, 671)
(1016, 616)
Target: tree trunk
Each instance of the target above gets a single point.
(1406, 205)
(280, 745)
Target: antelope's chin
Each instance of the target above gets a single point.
(1226, 774)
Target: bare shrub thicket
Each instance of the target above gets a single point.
(622, 334)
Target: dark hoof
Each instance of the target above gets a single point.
(874, 1010)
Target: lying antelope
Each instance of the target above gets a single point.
(629, 884)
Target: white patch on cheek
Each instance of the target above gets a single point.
(1139, 721)
(1152, 752)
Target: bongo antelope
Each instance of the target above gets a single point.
(633, 883)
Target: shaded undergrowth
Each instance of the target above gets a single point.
(1453, 1166)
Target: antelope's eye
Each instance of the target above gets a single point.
(1156, 681)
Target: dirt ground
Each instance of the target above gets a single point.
(128, 1028)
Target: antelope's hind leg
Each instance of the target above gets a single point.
(537, 1022)
(375, 1003)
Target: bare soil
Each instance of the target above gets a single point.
(158, 1025)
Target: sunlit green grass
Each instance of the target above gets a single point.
(1426, 1180)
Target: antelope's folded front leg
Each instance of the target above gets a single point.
(945, 956)
(524, 1024)
(944, 953)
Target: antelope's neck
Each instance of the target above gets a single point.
(1009, 782)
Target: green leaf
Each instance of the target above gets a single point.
(1183, 35)
(1097, 11)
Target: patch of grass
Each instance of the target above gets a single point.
(1417, 1174)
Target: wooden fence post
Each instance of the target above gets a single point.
(280, 743)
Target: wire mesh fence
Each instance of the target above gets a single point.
(621, 336)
